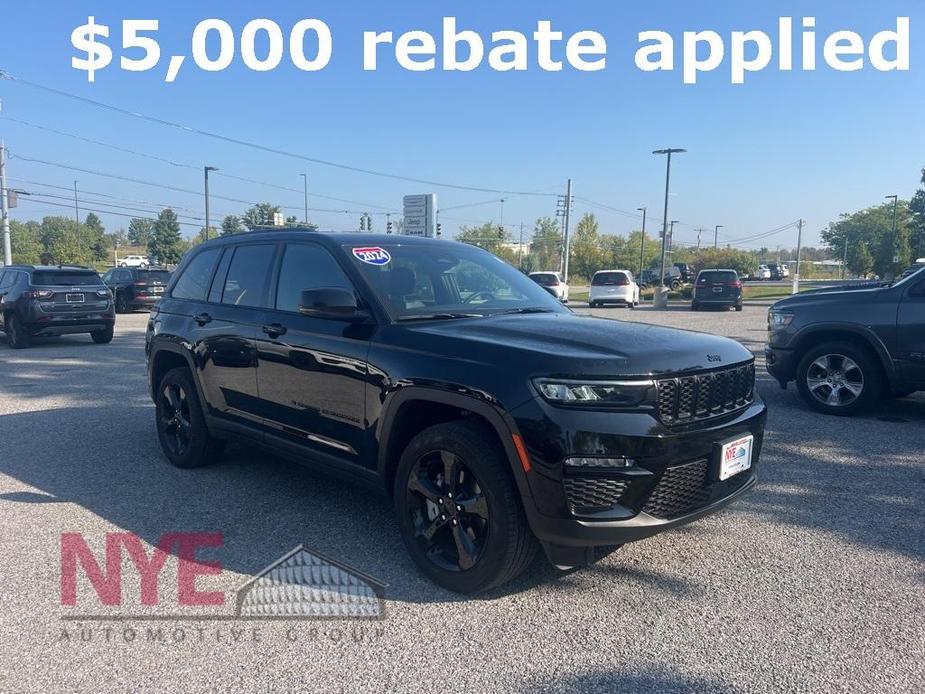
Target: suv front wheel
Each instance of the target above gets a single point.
(181, 426)
(838, 378)
(459, 511)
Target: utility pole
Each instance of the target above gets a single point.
(893, 236)
(4, 208)
(305, 188)
(699, 233)
(501, 222)
(568, 209)
(796, 274)
(76, 209)
(520, 247)
(844, 261)
(661, 296)
(206, 170)
(642, 243)
(716, 235)
(671, 236)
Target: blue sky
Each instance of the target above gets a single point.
(780, 147)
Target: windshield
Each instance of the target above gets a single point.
(608, 279)
(419, 280)
(916, 272)
(74, 278)
(153, 276)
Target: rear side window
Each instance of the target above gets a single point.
(75, 278)
(194, 282)
(307, 266)
(717, 277)
(246, 282)
(610, 279)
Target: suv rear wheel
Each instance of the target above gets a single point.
(16, 335)
(181, 427)
(838, 378)
(102, 337)
(459, 511)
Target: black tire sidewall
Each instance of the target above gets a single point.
(869, 369)
(478, 450)
(102, 337)
(203, 447)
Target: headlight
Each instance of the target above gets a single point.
(597, 393)
(103, 293)
(779, 319)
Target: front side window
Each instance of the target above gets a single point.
(246, 282)
(421, 279)
(194, 282)
(307, 266)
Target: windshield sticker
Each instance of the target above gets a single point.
(372, 255)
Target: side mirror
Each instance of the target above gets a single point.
(331, 303)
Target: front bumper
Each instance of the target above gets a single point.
(781, 364)
(673, 481)
(610, 298)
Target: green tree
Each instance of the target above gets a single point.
(259, 215)
(586, 255)
(139, 231)
(490, 237)
(94, 234)
(742, 262)
(26, 242)
(917, 223)
(166, 244)
(232, 224)
(63, 243)
(873, 228)
(546, 245)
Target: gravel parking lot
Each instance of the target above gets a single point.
(814, 582)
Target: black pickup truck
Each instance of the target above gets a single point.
(846, 347)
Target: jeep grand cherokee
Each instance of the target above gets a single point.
(495, 418)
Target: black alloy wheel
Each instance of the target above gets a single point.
(448, 510)
(173, 419)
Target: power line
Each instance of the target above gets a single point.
(254, 145)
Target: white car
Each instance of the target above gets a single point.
(134, 261)
(613, 287)
(763, 273)
(785, 271)
(552, 283)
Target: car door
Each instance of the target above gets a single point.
(910, 324)
(311, 372)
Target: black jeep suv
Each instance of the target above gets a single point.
(40, 300)
(136, 287)
(491, 414)
(846, 347)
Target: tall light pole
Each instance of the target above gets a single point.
(671, 236)
(716, 235)
(305, 189)
(4, 209)
(206, 170)
(660, 294)
(642, 244)
(76, 208)
(894, 198)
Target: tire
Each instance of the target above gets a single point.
(121, 303)
(592, 304)
(738, 307)
(181, 426)
(901, 392)
(829, 360)
(498, 542)
(16, 335)
(102, 337)
(122, 265)
(675, 285)
(695, 306)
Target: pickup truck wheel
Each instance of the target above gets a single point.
(459, 511)
(181, 427)
(838, 378)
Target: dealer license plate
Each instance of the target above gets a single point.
(735, 456)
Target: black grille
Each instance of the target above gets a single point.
(706, 395)
(681, 489)
(589, 494)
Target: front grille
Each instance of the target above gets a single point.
(590, 494)
(680, 489)
(706, 395)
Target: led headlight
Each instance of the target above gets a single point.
(779, 319)
(597, 393)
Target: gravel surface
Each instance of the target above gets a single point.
(814, 582)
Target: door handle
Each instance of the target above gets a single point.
(274, 330)
(203, 318)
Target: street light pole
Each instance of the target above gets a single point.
(305, 188)
(894, 198)
(642, 243)
(671, 236)
(76, 208)
(716, 235)
(660, 294)
(206, 170)
(4, 208)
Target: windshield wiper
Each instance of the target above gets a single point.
(528, 309)
(440, 316)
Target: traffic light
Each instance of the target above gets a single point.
(388, 227)
(501, 233)
(439, 226)
(363, 223)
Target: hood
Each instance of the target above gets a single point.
(829, 295)
(567, 344)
